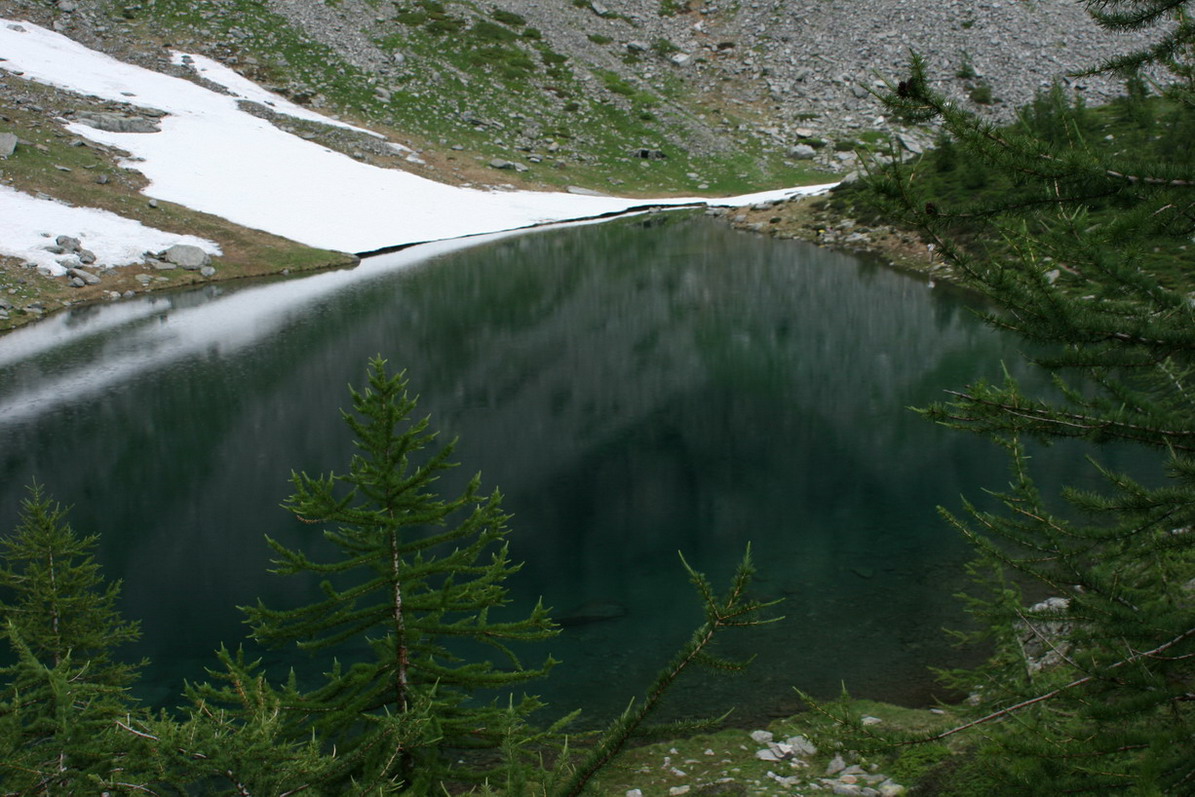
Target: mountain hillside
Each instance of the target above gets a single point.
(635, 95)
(628, 97)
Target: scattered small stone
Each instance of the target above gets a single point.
(153, 203)
(835, 766)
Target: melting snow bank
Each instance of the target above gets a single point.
(29, 226)
(211, 156)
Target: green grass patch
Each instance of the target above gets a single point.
(485, 31)
(509, 18)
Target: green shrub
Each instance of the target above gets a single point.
(664, 48)
(486, 31)
(981, 94)
(509, 18)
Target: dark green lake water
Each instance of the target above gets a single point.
(635, 388)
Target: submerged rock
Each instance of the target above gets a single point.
(593, 612)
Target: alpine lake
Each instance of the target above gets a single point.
(648, 386)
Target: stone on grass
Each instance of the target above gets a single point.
(8, 144)
(86, 276)
(189, 257)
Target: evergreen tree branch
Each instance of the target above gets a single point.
(721, 613)
(1004, 712)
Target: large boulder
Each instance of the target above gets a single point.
(189, 257)
(8, 144)
(119, 123)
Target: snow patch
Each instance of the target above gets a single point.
(28, 225)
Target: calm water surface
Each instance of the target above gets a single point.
(635, 388)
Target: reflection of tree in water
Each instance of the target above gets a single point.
(633, 387)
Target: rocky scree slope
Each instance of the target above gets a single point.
(699, 94)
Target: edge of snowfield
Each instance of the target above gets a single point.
(213, 157)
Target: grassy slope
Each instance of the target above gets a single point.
(487, 83)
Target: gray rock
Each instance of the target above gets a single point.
(75, 282)
(162, 265)
(207, 271)
(505, 165)
(86, 256)
(68, 244)
(8, 144)
(69, 262)
(86, 276)
(802, 152)
(761, 737)
(636, 47)
(144, 279)
(118, 122)
(910, 143)
(67, 6)
(580, 191)
(835, 766)
(189, 257)
(680, 59)
(801, 745)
